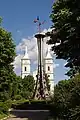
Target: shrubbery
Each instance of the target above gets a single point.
(18, 97)
(32, 104)
(7, 75)
(66, 101)
(4, 107)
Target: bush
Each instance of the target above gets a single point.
(31, 104)
(18, 97)
(2, 115)
(4, 106)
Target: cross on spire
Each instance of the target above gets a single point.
(37, 20)
(26, 51)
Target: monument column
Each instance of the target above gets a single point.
(40, 62)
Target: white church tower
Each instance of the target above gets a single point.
(25, 64)
(49, 69)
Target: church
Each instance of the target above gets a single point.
(48, 66)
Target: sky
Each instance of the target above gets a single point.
(18, 17)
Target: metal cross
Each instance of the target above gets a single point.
(37, 20)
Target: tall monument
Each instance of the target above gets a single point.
(42, 90)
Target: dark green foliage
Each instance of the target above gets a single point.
(66, 21)
(66, 18)
(66, 99)
(27, 87)
(7, 55)
(21, 88)
(4, 106)
(7, 76)
(16, 87)
(18, 97)
(32, 105)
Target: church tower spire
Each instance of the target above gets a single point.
(26, 51)
(25, 64)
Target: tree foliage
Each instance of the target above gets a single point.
(16, 85)
(7, 55)
(27, 87)
(66, 21)
(67, 99)
(7, 75)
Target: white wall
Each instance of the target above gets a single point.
(25, 63)
(50, 73)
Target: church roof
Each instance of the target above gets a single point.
(48, 55)
(26, 54)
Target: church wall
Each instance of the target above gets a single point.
(50, 73)
(49, 68)
(25, 66)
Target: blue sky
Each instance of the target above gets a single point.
(18, 16)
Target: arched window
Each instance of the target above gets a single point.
(48, 68)
(25, 69)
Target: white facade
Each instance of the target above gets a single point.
(25, 65)
(34, 75)
(49, 69)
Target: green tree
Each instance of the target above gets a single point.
(66, 99)
(16, 86)
(66, 21)
(7, 55)
(60, 100)
(75, 98)
(27, 87)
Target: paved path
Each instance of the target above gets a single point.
(31, 114)
(14, 118)
(17, 119)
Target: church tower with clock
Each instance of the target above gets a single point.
(25, 64)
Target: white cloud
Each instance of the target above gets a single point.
(17, 60)
(18, 31)
(56, 65)
(31, 44)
